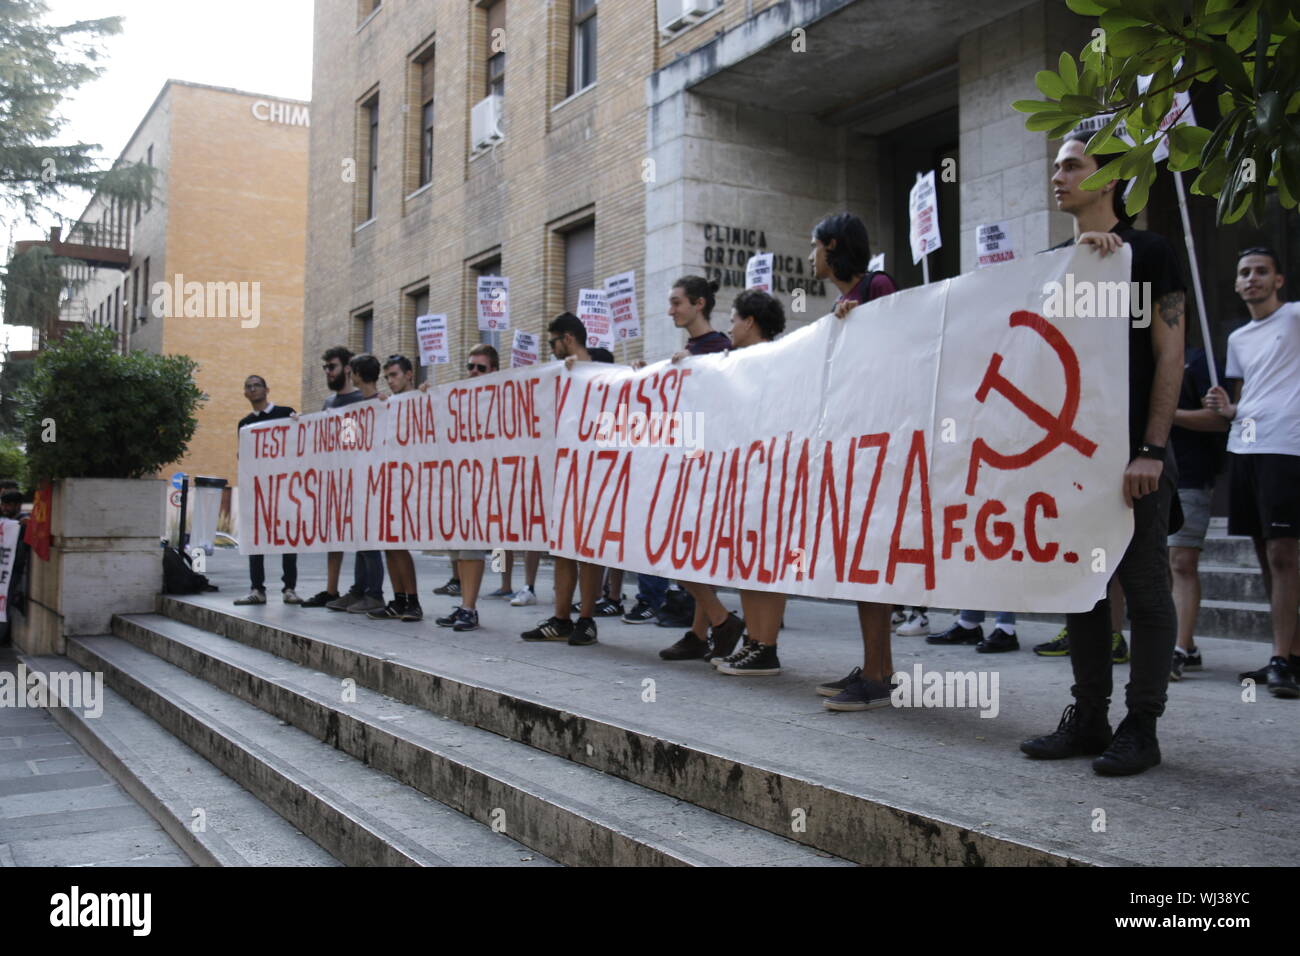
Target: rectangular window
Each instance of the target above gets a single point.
(491, 267)
(426, 120)
(582, 53)
(365, 8)
(496, 49)
(417, 304)
(372, 154)
(148, 291)
(135, 298)
(117, 309)
(579, 263)
(148, 203)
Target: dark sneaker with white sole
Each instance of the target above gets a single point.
(861, 694)
(320, 599)
(552, 629)
(411, 611)
(998, 642)
(606, 607)
(461, 619)
(761, 661)
(450, 589)
(833, 687)
(1281, 681)
(691, 647)
(392, 611)
(642, 613)
(1058, 646)
(746, 646)
(583, 633)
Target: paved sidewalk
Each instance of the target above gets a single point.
(58, 807)
(1224, 795)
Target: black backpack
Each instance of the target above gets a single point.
(179, 577)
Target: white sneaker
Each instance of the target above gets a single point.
(291, 596)
(918, 625)
(253, 597)
(897, 619)
(523, 597)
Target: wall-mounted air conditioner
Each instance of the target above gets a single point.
(485, 122)
(675, 15)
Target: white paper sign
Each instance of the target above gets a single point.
(620, 295)
(877, 263)
(993, 244)
(493, 303)
(523, 351)
(924, 209)
(758, 272)
(431, 333)
(9, 531)
(593, 311)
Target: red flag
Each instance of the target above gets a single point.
(38, 525)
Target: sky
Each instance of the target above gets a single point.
(262, 46)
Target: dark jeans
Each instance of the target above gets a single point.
(651, 590)
(257, 570)
(1145, 577)
(368, 575)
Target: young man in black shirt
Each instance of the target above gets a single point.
(399, 373)
(1155, 375)
(264, 410)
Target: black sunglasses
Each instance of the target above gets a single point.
(474, 365)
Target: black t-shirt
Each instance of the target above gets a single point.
(338, 399)
(266, 415)
(1154, 261)
(601, 355)
(710, 341)
(1199, 454)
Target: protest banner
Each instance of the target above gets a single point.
(493, 303)
(593, 311)
(983, 472)
(620, 295)
(993, 244)
(431, 334)
(463, 465)
(523, 350)
(758, 272)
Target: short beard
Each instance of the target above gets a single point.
(336, 385)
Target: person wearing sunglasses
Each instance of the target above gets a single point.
(264, 410)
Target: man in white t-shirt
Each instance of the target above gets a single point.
(1263, 371)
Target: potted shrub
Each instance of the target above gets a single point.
(98, 425)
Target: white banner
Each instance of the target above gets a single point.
(620, 295)
(493, 303)
(983, 472)
(431, 334)
(9, 532)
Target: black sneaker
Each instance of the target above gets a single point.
(451, 588)
(724, 637)
(1177, 665)
(1118, 649)
(412, 611)
(1259, 677)
(642, 613)
(1059, 646)
(1134, 748)
(583, 633)
(746, 646)
(861, 694)
(606, 607)
(1281, 682)
(761, 661)
(320, 599)
(552, 629)
(833, 687)
(1083, 731)
(998, 642)
(1193, 660)
(392, 611)
(461, 619)
(957, 634)
(691, 647)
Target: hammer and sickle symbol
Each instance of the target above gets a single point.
(1059, 427)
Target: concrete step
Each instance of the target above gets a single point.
(1227, 582)
(360, 815)
(574, 814)
(210, 816)
(1233, 551)
(847, 819)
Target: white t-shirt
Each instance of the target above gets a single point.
(1265, 355)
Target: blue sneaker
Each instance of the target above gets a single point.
(459, 620)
